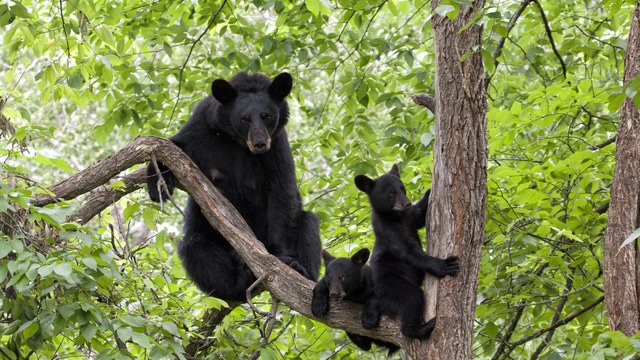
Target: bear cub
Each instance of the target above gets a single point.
(398, 262)
(237, 137)
(346, 279)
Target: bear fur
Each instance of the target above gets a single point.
(237, 137)
(398, 262)
(346, 279)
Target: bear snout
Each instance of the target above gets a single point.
(258, 141)
(259, 146)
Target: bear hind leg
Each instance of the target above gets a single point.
(214, 266)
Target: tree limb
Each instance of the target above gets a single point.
(284, 283)
(425, 100)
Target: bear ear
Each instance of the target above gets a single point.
(360, 258)
(327, 257)
(281, 86)
(394, 170)
(364, 183)
(223, 91)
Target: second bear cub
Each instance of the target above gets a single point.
(398, 261)
(346, 279)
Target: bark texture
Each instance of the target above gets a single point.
(621, 265)
(457, 211)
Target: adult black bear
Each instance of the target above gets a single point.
(236, 136)
(346, 279)
(398, 262)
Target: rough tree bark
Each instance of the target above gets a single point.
(621, 266)
(457, 210)
(284, 283)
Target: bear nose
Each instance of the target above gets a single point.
(260, 147)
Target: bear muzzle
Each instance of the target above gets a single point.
(259, 141)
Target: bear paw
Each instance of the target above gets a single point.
(319, 308)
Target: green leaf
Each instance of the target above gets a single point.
(20, 11)
(64, 269)
(5, 248)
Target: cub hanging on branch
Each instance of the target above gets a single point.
(346, 279)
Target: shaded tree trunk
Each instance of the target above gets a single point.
(457, 211)
(621, 265)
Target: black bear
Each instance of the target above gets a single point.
(398, 262)
(236, 136)
(346, 279)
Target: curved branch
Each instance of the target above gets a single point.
(284, 283)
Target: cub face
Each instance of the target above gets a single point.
(387, 193)
(344, 275)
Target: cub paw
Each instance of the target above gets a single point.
(448, 266)
(426, 329)
(370, 320)
(319, 308)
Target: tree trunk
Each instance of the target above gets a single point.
(457, 211)
(621, 265)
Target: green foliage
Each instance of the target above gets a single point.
(82, 78)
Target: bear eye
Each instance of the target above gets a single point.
(245, 119)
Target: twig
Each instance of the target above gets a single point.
(558, 323)
(162, 185)
(553, 44)
(64, 31)
(184, 65)
(556, 317)
(271, 321)
(604, 143)
(250, 290)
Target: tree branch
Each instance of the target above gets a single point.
(512, 22)
(284, 283)
(547, 28)
(425, 100)
(559, 323)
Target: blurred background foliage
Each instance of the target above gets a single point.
(81, 78)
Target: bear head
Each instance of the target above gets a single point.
(387, 193)
(252, 108)
(344, 275)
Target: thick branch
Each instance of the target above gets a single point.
(281, 281)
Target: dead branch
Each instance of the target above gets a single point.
(425, 100)
(284, 283)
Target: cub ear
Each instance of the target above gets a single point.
(360, 258)
(394, 170)
(327, 257)
(223, 91)
(281, 86)
(364, 183)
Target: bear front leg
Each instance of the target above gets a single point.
(320, 300)
(371, 313)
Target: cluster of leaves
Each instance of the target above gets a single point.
(84, 77)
